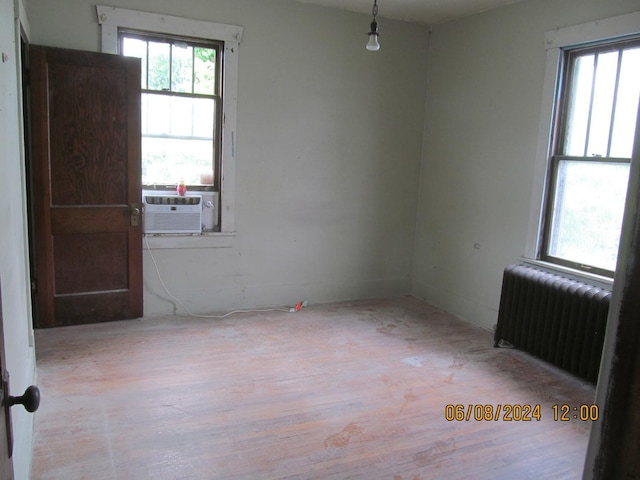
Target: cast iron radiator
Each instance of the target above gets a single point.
(555, 318)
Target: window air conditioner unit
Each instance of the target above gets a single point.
(172, 214)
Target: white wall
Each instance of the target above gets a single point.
(16, 311)
(484, 96)
(329, 142)
(328, 145)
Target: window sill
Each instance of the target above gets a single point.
(187, 241)
(590, 278)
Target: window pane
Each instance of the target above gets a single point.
(626, 105)
(579, 103)
(203, 117)
(177, 139)
(182, 68)
(167, 160)
(588, 210)
(180, 113)
(156, 116)
(178, 116)
(132, 47)
(158, 66)
(602, 104)
(205, 71)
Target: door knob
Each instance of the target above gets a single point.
(30, 399)
(135, 211)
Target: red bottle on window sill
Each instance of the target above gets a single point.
(181, 188)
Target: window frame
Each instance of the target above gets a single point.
(217, 96)
(558, 141)
(111, 19)
(557, 41)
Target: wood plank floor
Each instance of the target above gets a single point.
(351, 390)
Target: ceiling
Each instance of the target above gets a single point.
(418, 11)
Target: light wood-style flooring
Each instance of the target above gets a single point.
(354, 390)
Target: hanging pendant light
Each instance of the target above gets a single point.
(373, 44)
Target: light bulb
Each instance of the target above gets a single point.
(373, 44)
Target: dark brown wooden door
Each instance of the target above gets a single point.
(85, 123)
(6, 467)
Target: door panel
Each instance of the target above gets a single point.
(109, 254)
(86, 159)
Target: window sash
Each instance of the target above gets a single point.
(550, 218)
(567, 95)
(172, 40)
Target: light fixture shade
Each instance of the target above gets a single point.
(373, 44)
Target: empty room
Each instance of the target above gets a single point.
(320, 239)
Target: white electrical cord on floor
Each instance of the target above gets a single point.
(155, 264)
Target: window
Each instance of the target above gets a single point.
(225, 40)
(591, 148)
(181, 98)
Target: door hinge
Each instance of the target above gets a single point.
(34, 286)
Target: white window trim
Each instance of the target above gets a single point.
(111, 19)
(555, 41)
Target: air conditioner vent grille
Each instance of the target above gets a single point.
(172, 214)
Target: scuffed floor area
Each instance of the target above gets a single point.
(352, 390)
